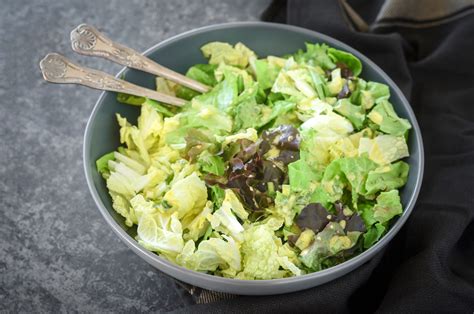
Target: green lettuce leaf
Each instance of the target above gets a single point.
(388, 206)
(373, 234)
(288, 203)
(386, 178)
(203, 73)
(374, 93)
(388, 120)
(217, 195)
(219, 52)
(211, 163)
(319, 83)
(355, 114)
(352, 171)
(336, 83)
(315, 55)
(203, 116)
(351, 61)
(302, 176)
(260, 253)
(141, 207)
(329, 242)
(102, 163)
(223, 95)
(384, 149)
(266, 72)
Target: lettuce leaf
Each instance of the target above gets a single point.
(266, 72)
(388, 206)
(211, 254)
(388, 120)
(329, 242)
(187, 196)
(195, 227)
(386, 178)
(373, 93)
(203, 73)
(373, 235)
(315, 55)
(355, 114)
(302, 176)
(219, 52)
(260, 253)
(211, 163)
(224, 219)
(161, 233)
(384, 149)
(346, 58)
(102, 164)
(347, 171)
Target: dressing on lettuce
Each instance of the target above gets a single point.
(288, 165)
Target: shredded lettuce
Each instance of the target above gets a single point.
(287, 165)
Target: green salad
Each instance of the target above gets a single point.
(287, 166)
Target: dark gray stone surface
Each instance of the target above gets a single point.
(56, 251)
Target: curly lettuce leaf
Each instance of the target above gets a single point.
(211, 163)
(302, 176)
(315, 55)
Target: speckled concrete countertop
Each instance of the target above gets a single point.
(56, 251)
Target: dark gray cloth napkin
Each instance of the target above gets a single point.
(427, 48)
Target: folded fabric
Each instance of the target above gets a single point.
(426, 48)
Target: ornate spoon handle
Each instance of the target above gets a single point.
(58, 69)
(87, 40)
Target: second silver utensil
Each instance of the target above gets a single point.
(58, 69)
(87, 40)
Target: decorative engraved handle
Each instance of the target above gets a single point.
(58, 69)
(87, 40)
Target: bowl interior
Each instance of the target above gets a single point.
(183, 51)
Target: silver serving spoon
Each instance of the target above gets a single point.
(58, 69)
(87, 40)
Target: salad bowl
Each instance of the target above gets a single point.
(181, 52)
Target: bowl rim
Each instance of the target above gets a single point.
(172, 269)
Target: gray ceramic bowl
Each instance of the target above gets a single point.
(181, 52)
